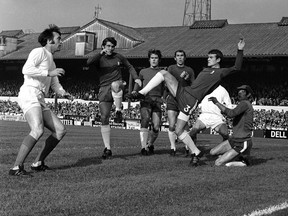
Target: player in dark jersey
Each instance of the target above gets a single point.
(151, 105)
(234, 150)
(189, 96)
(109, 64)
(185, 76)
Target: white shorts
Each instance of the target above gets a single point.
(211, 120)
(31, 97)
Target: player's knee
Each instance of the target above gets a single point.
(145, 123)
(156, 129)
(61, 132)
(116, 86)
(163, 72)
(172, 128)
(37, 132)
(105, 119)
(213, 152)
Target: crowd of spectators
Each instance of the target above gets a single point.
(272, 94)
(263, 119)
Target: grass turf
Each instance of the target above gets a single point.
(81, 183)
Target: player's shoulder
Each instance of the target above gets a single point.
(37, 52)
(118, 55)
(143, 70)
(171, 67)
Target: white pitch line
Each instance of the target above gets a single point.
(269, 210)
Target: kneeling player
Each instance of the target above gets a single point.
(234, 151)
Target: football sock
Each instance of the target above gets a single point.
(144, 132)
(36, 164)
(117, 99)
(155, 81)
(50, 143)
(106, 131)
(25, 148)
(187, 140)
(172, 137)
(236, 164)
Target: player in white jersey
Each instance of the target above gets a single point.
(40, 73)
(211, 116)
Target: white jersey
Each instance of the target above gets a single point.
(35, 71)
(208, 107)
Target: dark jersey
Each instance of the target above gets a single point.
(176, 71)
(242, 116)
(109, 67)
(210, 78)
(146, 75)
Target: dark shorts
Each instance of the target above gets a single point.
(186, 102)
(172, 103)
(105, 94)
(242, 147)
(152, 103)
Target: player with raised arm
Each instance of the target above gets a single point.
(236, 150)
(185, 76)
(109, 67)
(40, 73)
(189, 96)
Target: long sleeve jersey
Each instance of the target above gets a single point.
(35, 71)
(242, 116)
(109, 67)
(209, 78)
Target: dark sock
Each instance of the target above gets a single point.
(50, 143)
(25, 148)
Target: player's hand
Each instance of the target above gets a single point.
(68, 96)
(139, 82)
(241, 44)
(213, 99)
(56, 72)
(184, 75)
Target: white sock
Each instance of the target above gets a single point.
(36, 164)
(106, 131)
(155, 81)
(187, 140)
(117, 99)
(172, 137)
(16, 168)
(235, 164)
(144, 132)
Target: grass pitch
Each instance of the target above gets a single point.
(81, 183)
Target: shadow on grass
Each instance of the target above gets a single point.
(83, 162)
(258, 161)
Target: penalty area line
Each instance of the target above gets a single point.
(269, 210)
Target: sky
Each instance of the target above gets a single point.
(36, 15)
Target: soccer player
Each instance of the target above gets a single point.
(150, 106)
(185, 76)
(189, 96)
(109, 64)
(211, 116)
(40, 73)
(233, 151)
